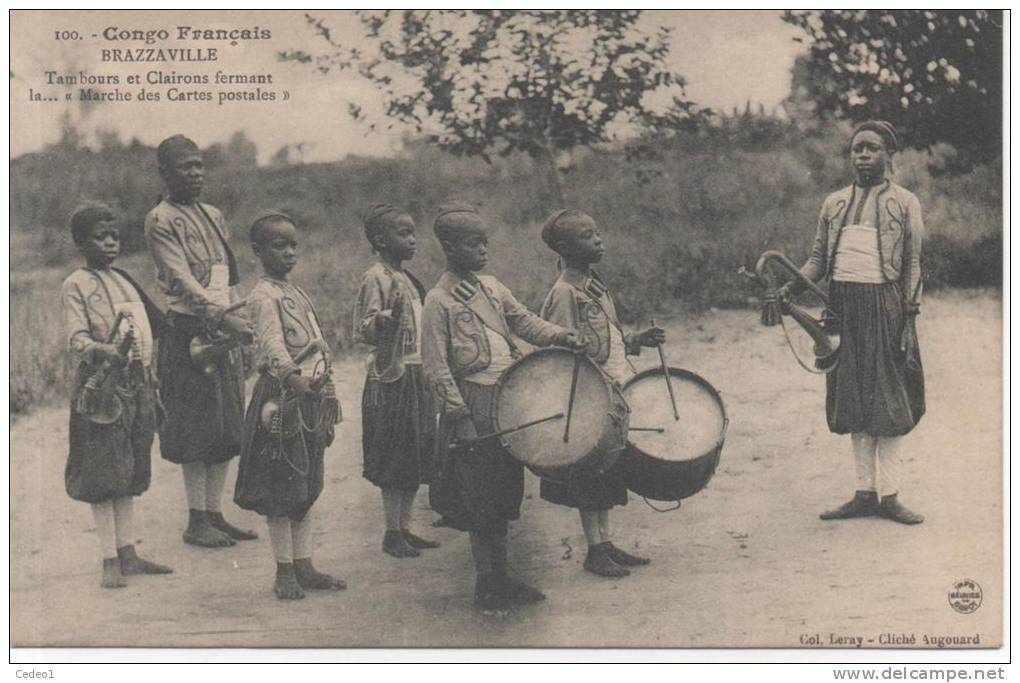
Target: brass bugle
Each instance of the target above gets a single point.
(98, 400)
(271, 408)
(823, 331)
(206, 348)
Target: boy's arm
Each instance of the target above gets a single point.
(265, 318)
(435, 336)
(173, 265)
(370, 301)
(910, 274)
(525, 324)
(559, 307)
(76, 324)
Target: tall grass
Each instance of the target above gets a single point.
(679, 221)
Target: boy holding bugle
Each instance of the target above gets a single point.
(396, 411)
(110, 326)
(292, 414)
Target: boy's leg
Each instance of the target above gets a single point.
(488, 593)
(215, 481)
(124, 520)
(406, 509)
(590, 524)
(889, 465)
(394, 542)
(481, 552)
(513, 588)
(604, 526)
(620, 557)
(200, 530)
(598, 561)
(307, 576)
(194, 484)
(130, 563)
(286, 586)
(391, 508)
(106, 532)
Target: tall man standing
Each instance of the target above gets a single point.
(204, 406)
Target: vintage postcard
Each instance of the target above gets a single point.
(507, 329)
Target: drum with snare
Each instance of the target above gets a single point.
(537, 386)
(668, 459)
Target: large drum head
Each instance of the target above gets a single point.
(701, 426)
(537, 386)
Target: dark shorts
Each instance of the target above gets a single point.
(397, 431)
(481, 488)
(112, 460)
(585, 490)
(204, 412)
(281, 475)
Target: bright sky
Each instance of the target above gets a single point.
(728, 57)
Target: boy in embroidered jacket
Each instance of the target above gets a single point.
(111, 325)
(581, 300)
(281, 471)
(469, 325)
(396, 413)
(197, 272)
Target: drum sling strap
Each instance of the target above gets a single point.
(595, 289)
(466, 293)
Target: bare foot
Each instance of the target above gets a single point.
(286, 586)
(112, 578)
(625, 559)
(312, 579)
(394, 544)
(600, 563)
(516, 590)
(417, 541)
(201, 532)
(217, 522)
(131, 564)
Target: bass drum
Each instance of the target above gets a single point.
(537, 386)
(678, 461)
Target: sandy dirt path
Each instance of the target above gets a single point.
(744, 563)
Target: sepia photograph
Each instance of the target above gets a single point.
(508, 329)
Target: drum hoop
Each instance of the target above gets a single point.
(697, 379)
(686, 374)
(607, 386)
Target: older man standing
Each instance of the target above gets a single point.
(204, 406)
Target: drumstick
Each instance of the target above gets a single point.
(573, 390)
(519, 427)
(503, 432)
(665, 371)
(657, 430)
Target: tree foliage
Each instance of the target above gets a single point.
(478, 82)
(936, 74)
